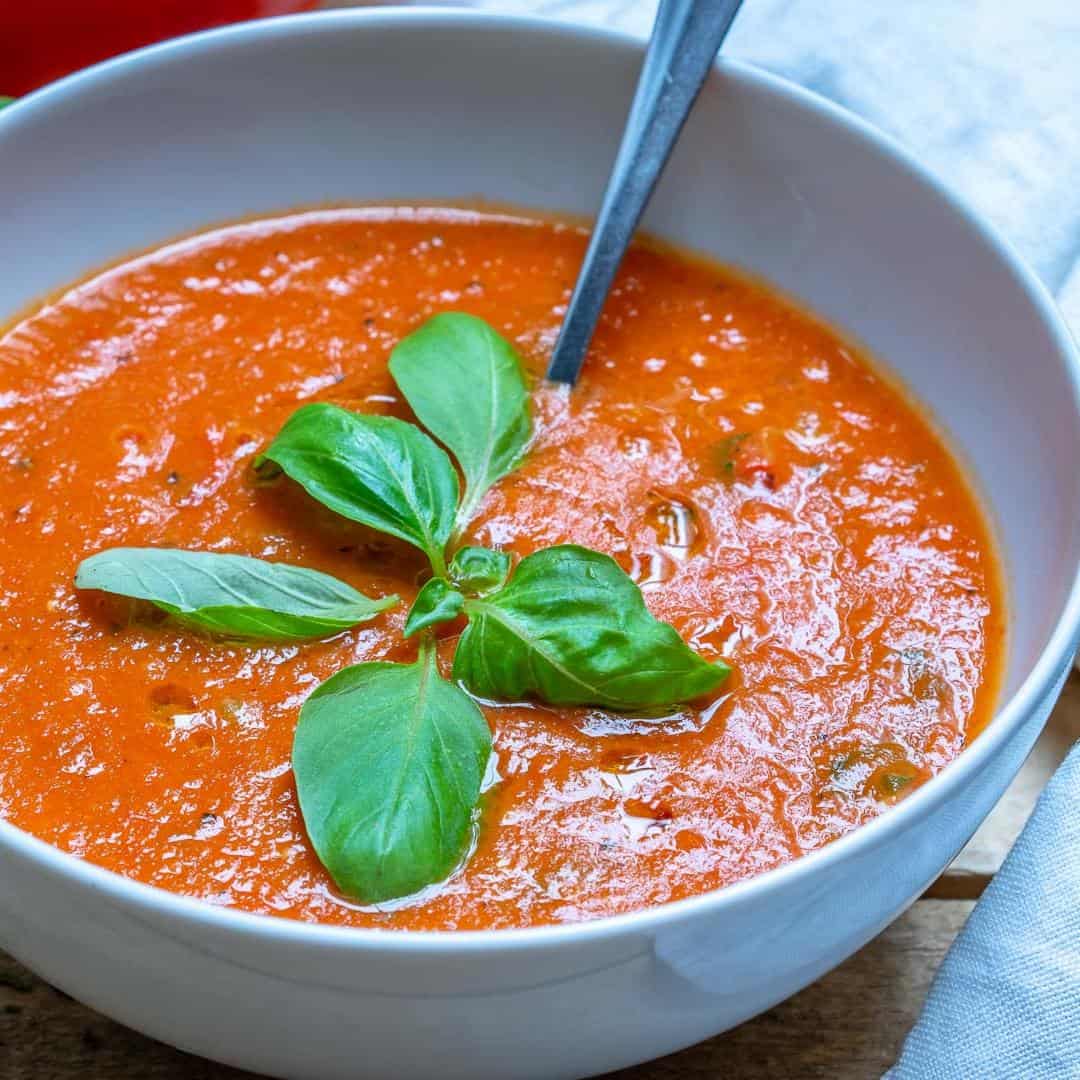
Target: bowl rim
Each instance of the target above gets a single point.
(1053, 660)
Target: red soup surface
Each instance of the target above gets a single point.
(777, 499)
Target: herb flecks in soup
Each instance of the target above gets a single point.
(774, 500)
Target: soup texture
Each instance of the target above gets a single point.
(777, 500)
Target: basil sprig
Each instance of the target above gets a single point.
(388, 758)
(231, 595)
(571, 628)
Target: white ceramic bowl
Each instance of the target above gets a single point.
(420, 104)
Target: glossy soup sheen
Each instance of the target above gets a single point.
(777, 500)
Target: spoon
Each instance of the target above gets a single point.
(685, 39)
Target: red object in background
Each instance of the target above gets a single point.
(40, 40)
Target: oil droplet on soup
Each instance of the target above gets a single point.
(779, 502)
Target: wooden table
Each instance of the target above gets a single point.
(847, 1026)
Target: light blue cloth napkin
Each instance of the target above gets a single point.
(987, 94)
(1005, 1004)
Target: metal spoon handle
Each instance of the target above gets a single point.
(685, 39)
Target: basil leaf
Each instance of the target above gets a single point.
(388, 760)
(377, 470)
(5, 101)
(466, 384)
(479, 570)
(231, 594)
(571, 628)
(436, 602)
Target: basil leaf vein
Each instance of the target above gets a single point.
(572, 628)
(389, 760)
(231, 595)
(467, 386)
(437, 602)
(377, 470)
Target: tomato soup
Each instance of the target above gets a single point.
(777, 499)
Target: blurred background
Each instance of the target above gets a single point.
(45, 39)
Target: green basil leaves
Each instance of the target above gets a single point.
(231, 595)
(389, 760)
(467, 387)
(571, 628)
(377, 470)
(437, 602)
(479, 570)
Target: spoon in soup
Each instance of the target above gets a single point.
(685, 39)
